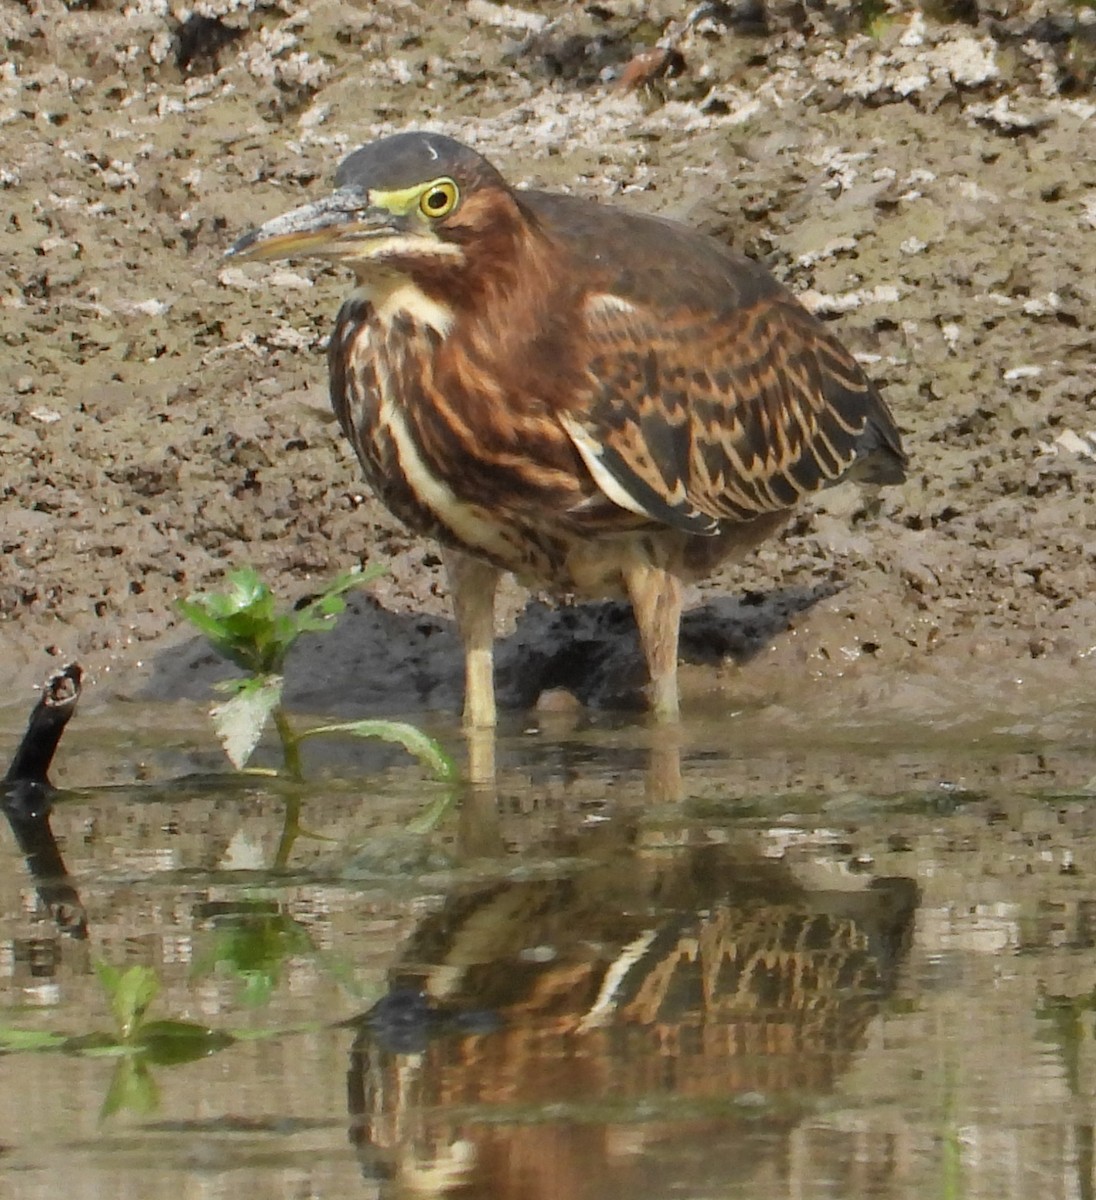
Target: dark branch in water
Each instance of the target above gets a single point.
(29, 770)
(25, 797)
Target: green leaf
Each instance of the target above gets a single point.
(258, 987)
(197, 615)
(109, 976)
(131, 1087)
(131, 992)
(244, 626)
(247, 590)
(167, 1043)
(246, 594)
(322, 609)
(241, 720)
(18, 1040)
(239, 622)
(420, 744)
(318, 617)
(426, 821)
(254, 946)
(96, 1045)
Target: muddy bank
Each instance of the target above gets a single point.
(927, 182)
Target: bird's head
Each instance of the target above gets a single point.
(416, 204)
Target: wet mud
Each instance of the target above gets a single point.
(922, 180)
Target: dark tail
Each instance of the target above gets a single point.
(880, 458)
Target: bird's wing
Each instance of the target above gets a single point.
(698, 414)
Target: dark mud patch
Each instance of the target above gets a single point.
(377, 661)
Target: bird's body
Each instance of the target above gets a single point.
(595, 400)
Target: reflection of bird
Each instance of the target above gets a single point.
(595, 400)
(551, 1038)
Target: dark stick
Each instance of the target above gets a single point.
(25, 798)
(30, 767)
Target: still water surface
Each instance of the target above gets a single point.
(862, 965)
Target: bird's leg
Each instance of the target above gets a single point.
(656, 597)
(662, 782)
(473, 584)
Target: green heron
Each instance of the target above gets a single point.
(596, 400)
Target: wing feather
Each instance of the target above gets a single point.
(697, 415)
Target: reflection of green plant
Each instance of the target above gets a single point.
(130, 992)
(138, 1043)
(952, 1185)
(253, 944)
(244, 626)
(1066, 1020)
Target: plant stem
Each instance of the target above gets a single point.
(291, 829)
(291, 745)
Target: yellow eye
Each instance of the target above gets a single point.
(439, 199)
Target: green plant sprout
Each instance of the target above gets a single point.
(243, 624)
(137, 1042)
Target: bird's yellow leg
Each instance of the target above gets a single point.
(656, 597)
(473, 584)
(663, 784)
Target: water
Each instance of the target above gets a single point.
(851, 961)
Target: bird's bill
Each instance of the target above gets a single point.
(327, 228)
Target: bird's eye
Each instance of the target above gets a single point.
(439, 199)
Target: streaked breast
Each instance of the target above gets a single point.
(382, 360)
